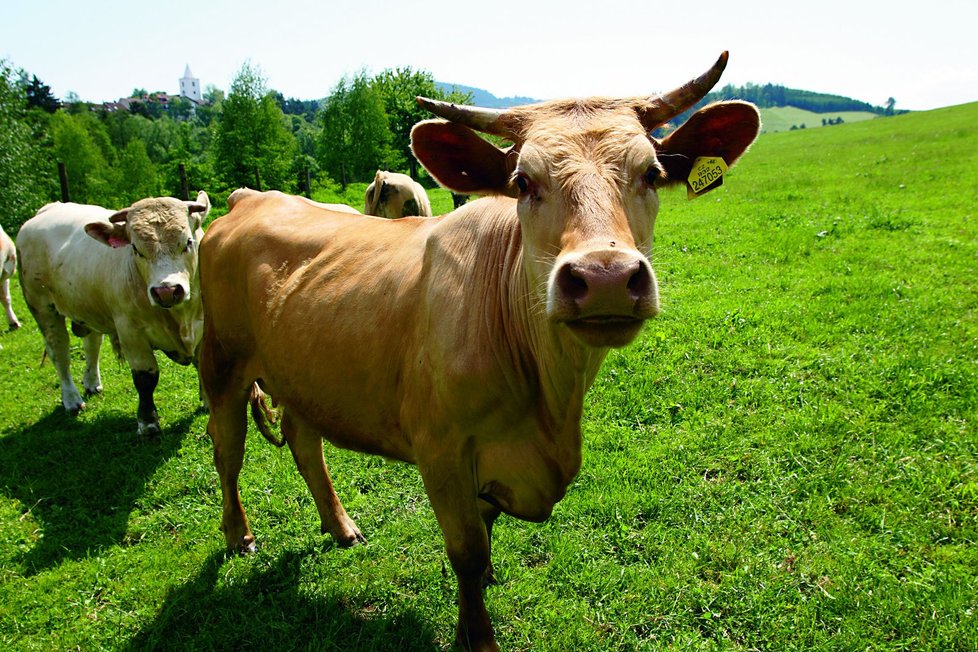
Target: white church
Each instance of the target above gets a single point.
(190, 86)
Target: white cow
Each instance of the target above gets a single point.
(129, 274)
(395, 195)
(8, 263)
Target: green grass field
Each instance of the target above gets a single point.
(787, 458)
(783, 118)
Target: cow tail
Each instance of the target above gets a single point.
(264, 416)
(117, 347)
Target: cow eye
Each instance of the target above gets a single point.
(138, 253)
(652, 175)
(523, 183)
(190, 244)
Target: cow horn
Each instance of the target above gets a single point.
(663, 108)
(119, 216)
(478, 118)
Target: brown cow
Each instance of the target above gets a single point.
(395, 195)
(463, 344)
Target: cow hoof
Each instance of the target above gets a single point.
(73, 410)
(90, 392)
(347, 534)
(14, 326)
(351, 540)
(245, 546)
(151, 429)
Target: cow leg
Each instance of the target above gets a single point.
(307, 450)
(467, 544)
(227, 426)
(227, 398)
(145, 376)
(52, 325)
(489, 515)
(92, 380)
(147, 421)
(5, 300)
(201, 396)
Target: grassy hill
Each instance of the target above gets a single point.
(786, 459)
(484, 98)
(783, 118)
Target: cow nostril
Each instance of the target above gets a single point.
(167, 295)
(640, 282)
(571, 284)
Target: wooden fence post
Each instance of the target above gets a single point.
(63, 176)
(308, 183)
(184, 188)
(257, 179)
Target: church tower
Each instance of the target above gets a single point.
(190, 86)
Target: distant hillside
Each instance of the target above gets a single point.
(782, 109)
(484, 98)
(787, 118)
(771, 95)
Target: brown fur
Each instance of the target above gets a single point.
(464, 344)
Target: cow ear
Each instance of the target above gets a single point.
(112, 235)
(724, 129)
(119, 217)
(199, 209)
(460, 160)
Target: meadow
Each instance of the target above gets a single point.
(786, 459)
(783, 118)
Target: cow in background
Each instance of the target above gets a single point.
(393, 195)
(464, 344)
(8, 263)
(129, 274)
(245, 191)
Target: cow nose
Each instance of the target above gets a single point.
(167, 295)
(599, 287)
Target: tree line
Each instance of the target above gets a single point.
(775, 95)
(250, 136)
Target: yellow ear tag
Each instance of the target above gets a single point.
(707, 174)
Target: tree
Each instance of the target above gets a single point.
(180, 108)
(356, 136)
(89, 176)
(39, 94)
(137, 175)
(252, 145)
(21, 186)
(890, 104)
(399, 88)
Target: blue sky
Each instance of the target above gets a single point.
(922, 54)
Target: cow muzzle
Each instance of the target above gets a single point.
(604, 297)
(167, 295)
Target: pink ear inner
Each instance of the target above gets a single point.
(116, 242)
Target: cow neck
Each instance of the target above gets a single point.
(557, 362)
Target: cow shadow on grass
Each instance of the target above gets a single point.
(271, 611)
(80, 480)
